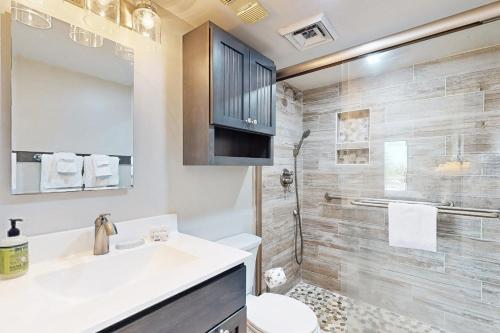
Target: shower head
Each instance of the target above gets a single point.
(296, 149)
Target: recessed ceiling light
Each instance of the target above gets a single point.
(373, 59)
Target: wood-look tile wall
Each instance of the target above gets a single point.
(426, 105)
(277, 220)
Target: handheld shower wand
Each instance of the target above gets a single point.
(296, 212)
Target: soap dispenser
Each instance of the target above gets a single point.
(14, 258)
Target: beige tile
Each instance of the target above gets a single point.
(472, 61)
(471, 82)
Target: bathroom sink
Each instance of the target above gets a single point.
(90, 276)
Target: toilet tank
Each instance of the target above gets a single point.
(249, 243)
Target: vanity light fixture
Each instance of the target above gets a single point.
(30, 17)
(85, 37)
(138, 15)
(104, 10)
(145, 20)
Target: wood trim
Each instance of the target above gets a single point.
(196, 96)
(258, 226)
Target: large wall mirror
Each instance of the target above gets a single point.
(72, 110)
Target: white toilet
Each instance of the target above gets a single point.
(270, 313)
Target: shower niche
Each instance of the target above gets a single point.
(353, 137)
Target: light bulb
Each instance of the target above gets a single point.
(148, 21)
(104, 2)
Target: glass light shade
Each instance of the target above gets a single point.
(85, 37)
(124, 52)
(146, 21)
(102, 14)
(30, 16)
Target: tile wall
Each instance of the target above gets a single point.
(447, 113)
(277, 207)
(445, 116)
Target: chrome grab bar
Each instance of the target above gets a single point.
(443, 207)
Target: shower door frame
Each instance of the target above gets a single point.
(468, 19)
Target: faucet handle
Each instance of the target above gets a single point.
(102, 219)
(110, 228)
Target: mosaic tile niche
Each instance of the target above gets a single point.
(353, 137)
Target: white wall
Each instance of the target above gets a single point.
(55, 109)
(211, 201)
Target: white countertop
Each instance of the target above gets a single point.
(27, 305)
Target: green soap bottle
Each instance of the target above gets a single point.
(14, 259)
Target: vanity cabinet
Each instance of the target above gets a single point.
(229, 100)
(216, 305)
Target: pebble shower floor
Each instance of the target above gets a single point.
(340, 314)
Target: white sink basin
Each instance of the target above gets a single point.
(69, 290)
(91, 276)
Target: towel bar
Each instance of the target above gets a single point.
(443, 207)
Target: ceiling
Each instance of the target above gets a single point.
(436, 48)
(355, 21)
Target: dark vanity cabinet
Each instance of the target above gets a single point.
(229, 100)
(214, 306)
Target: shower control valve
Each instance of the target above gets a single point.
(286, 180)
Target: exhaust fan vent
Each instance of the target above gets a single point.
(252, 13)
(310, 32)
(247, 10)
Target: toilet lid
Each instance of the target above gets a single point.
(271, 313)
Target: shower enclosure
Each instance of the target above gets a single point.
(417, 123)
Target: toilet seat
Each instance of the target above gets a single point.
(273, 313)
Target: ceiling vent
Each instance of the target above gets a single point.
(247, 10)
(310, 32)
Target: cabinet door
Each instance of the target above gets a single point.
(237, 323)
(230, 80)
(263, 94)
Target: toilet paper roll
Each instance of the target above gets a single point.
(275, 277)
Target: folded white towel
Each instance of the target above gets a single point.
(53, 181)
(91, 180)
(413, 226)
(66, 163)
(101, 165)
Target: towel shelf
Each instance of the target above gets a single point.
(29, 156)
(443, 207)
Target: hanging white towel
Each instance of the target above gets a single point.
(66, 163)
(413, 226)
(53, 181)
(91, 180)
(101, 165)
